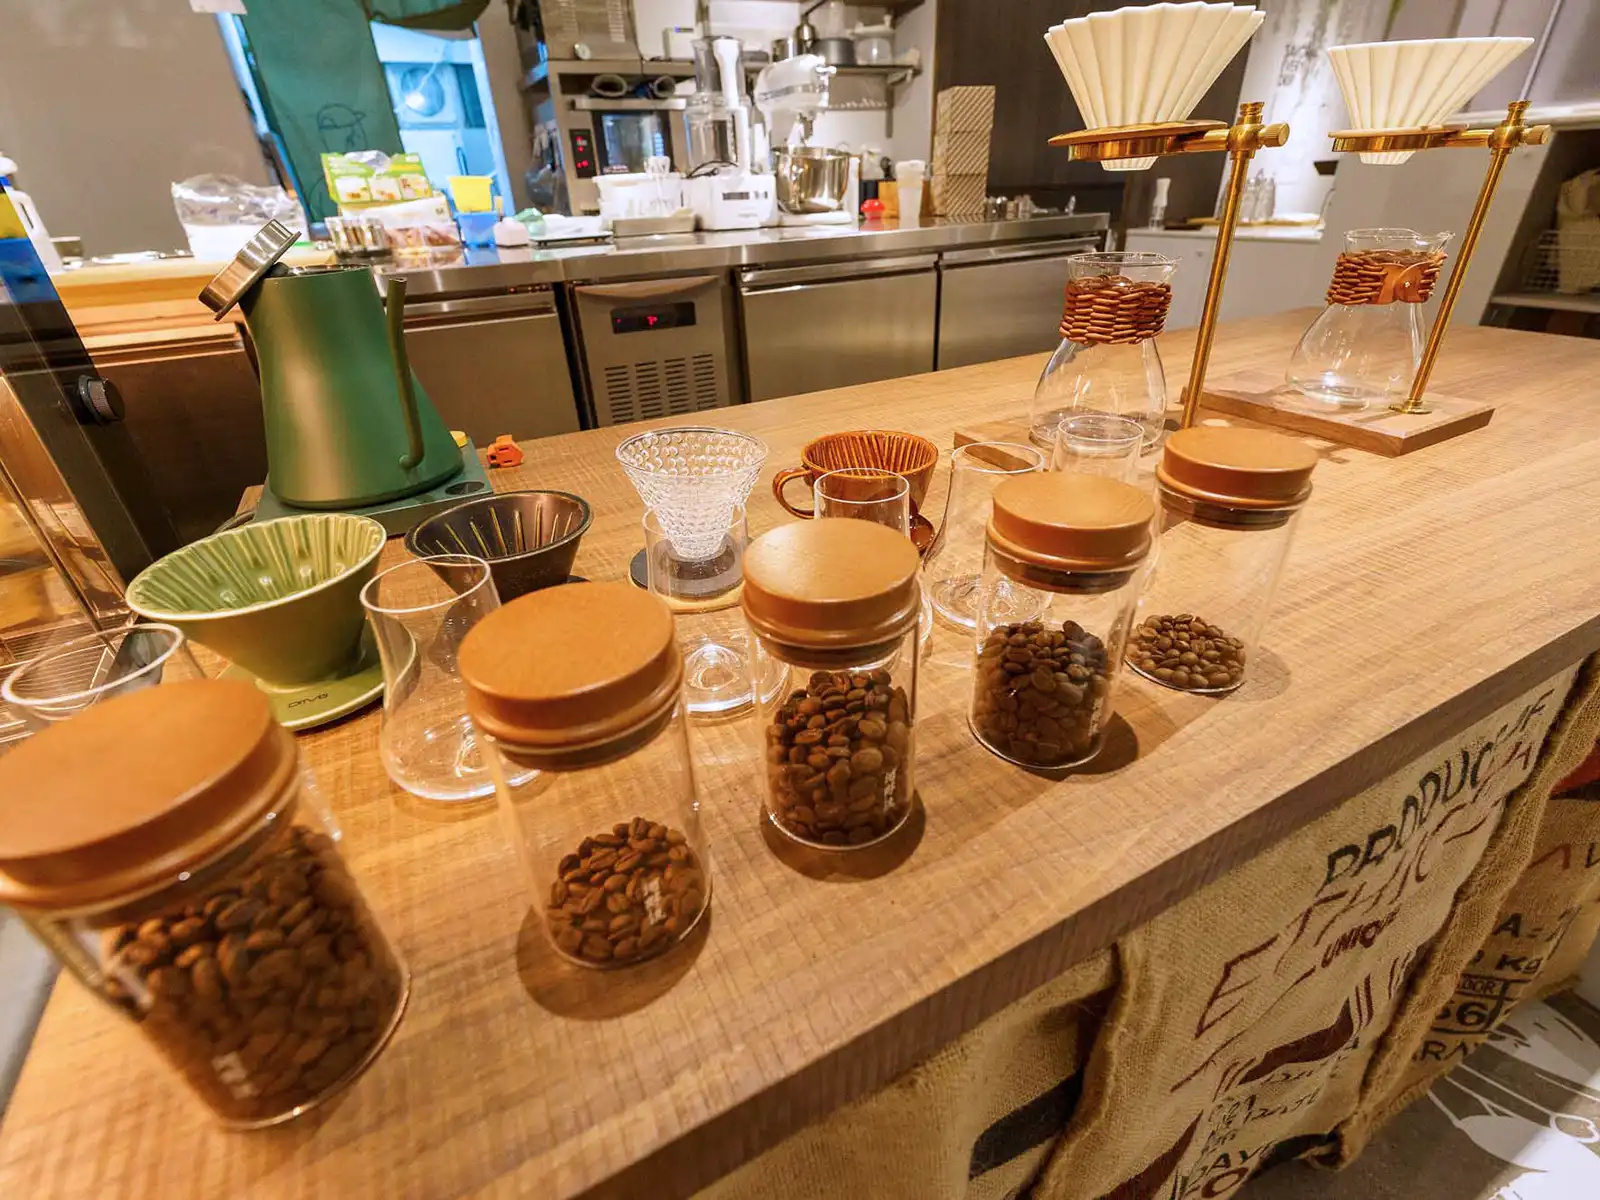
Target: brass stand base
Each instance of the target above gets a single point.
(1263, 397)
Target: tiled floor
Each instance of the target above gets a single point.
(1519, 1120)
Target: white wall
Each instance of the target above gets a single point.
(104, 105)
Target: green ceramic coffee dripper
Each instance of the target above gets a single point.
(281, 600)
(348, 426)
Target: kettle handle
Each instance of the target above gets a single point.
(394, 300)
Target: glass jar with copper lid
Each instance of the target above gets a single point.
(1075, 546)
(1230, 498)
(167, 849)
(584, 684)
(837, 602)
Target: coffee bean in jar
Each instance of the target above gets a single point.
(834, 752)
(1188, 653)
(196, 890)
(626, 894)
(1039, 692)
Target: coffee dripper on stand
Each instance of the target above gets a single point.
(694, 482)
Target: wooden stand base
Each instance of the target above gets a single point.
(1261, 396)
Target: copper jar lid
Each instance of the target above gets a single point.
(831, 583)
(136, 790)
(1070, 522)
(572, 667)
(1238, 467)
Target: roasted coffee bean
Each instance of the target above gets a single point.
(1187, 653)
(241, 992)
(1040, 694)
(867, 728)
(624, 915)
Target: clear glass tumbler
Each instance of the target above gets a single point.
(882, 497)
(1356, 355)
(954, 565)
(1123, 378)
(1098, 444)
(71, 676)
(420, 612)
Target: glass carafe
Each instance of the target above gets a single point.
(1365, 346)
(1107, 362)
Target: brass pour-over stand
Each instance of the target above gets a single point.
(1398, 429)
(1241, 140)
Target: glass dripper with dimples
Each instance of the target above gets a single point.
(694, 481)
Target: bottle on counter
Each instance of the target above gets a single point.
(1230, 499)
(583, 683)
(837, 601)
(1116, 304)
(199, 890)
(1076, 545)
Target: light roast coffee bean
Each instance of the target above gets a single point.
(268, 989)
(1040, 693)
(626, 894)
(834, 754)
(1187, 652)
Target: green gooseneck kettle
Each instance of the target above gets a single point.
(347, 422)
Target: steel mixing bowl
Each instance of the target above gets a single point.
(811, 179)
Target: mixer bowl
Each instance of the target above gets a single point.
(811, 179)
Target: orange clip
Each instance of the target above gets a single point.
(505, 452)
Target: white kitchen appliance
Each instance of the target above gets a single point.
(790, 94)
(732, 200)
(727, 188)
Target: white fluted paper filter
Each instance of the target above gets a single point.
(1403, 85)
(1149, 64)
(692, 478)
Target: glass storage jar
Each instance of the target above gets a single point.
(1042, 688)
(195, 888)
(1230, 498)
(837, 600)
(583, 683)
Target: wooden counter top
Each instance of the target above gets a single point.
(1423, 592)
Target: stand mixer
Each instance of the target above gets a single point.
(815, 185)
(726, 186)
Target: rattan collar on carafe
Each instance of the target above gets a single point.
(1102, 309)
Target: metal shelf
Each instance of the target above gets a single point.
(1554, 301)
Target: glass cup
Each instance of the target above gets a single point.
(69, 677)
(1098, 444)
(420, 611)
(704, 598)
(882, 497)
(953, 568)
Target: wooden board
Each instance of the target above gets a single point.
(1423, 592)
(1262, 396)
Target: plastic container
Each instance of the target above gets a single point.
(198, 890)
(584, 683)
(1230, 498)
(874, 44)
(837, 601)
(1042, 688)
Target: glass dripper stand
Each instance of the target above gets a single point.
(1116, 304)
(695, 480)
(1365, 347)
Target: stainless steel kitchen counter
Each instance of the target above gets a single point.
(487, 271)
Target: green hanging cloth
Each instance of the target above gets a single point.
(323, 86)
(446, 15)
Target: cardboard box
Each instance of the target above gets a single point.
(959, 195)
(964, 109)
(963, 153)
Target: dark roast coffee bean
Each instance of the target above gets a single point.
(1039, 693)
(1187, 653)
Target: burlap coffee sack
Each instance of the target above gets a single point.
(1247, 1014)
(1520, 928)
(974, 1122)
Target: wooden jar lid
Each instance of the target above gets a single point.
(137, 789)
(831, 583)
(1071, 522)
(1244, 468)
(571, 667)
